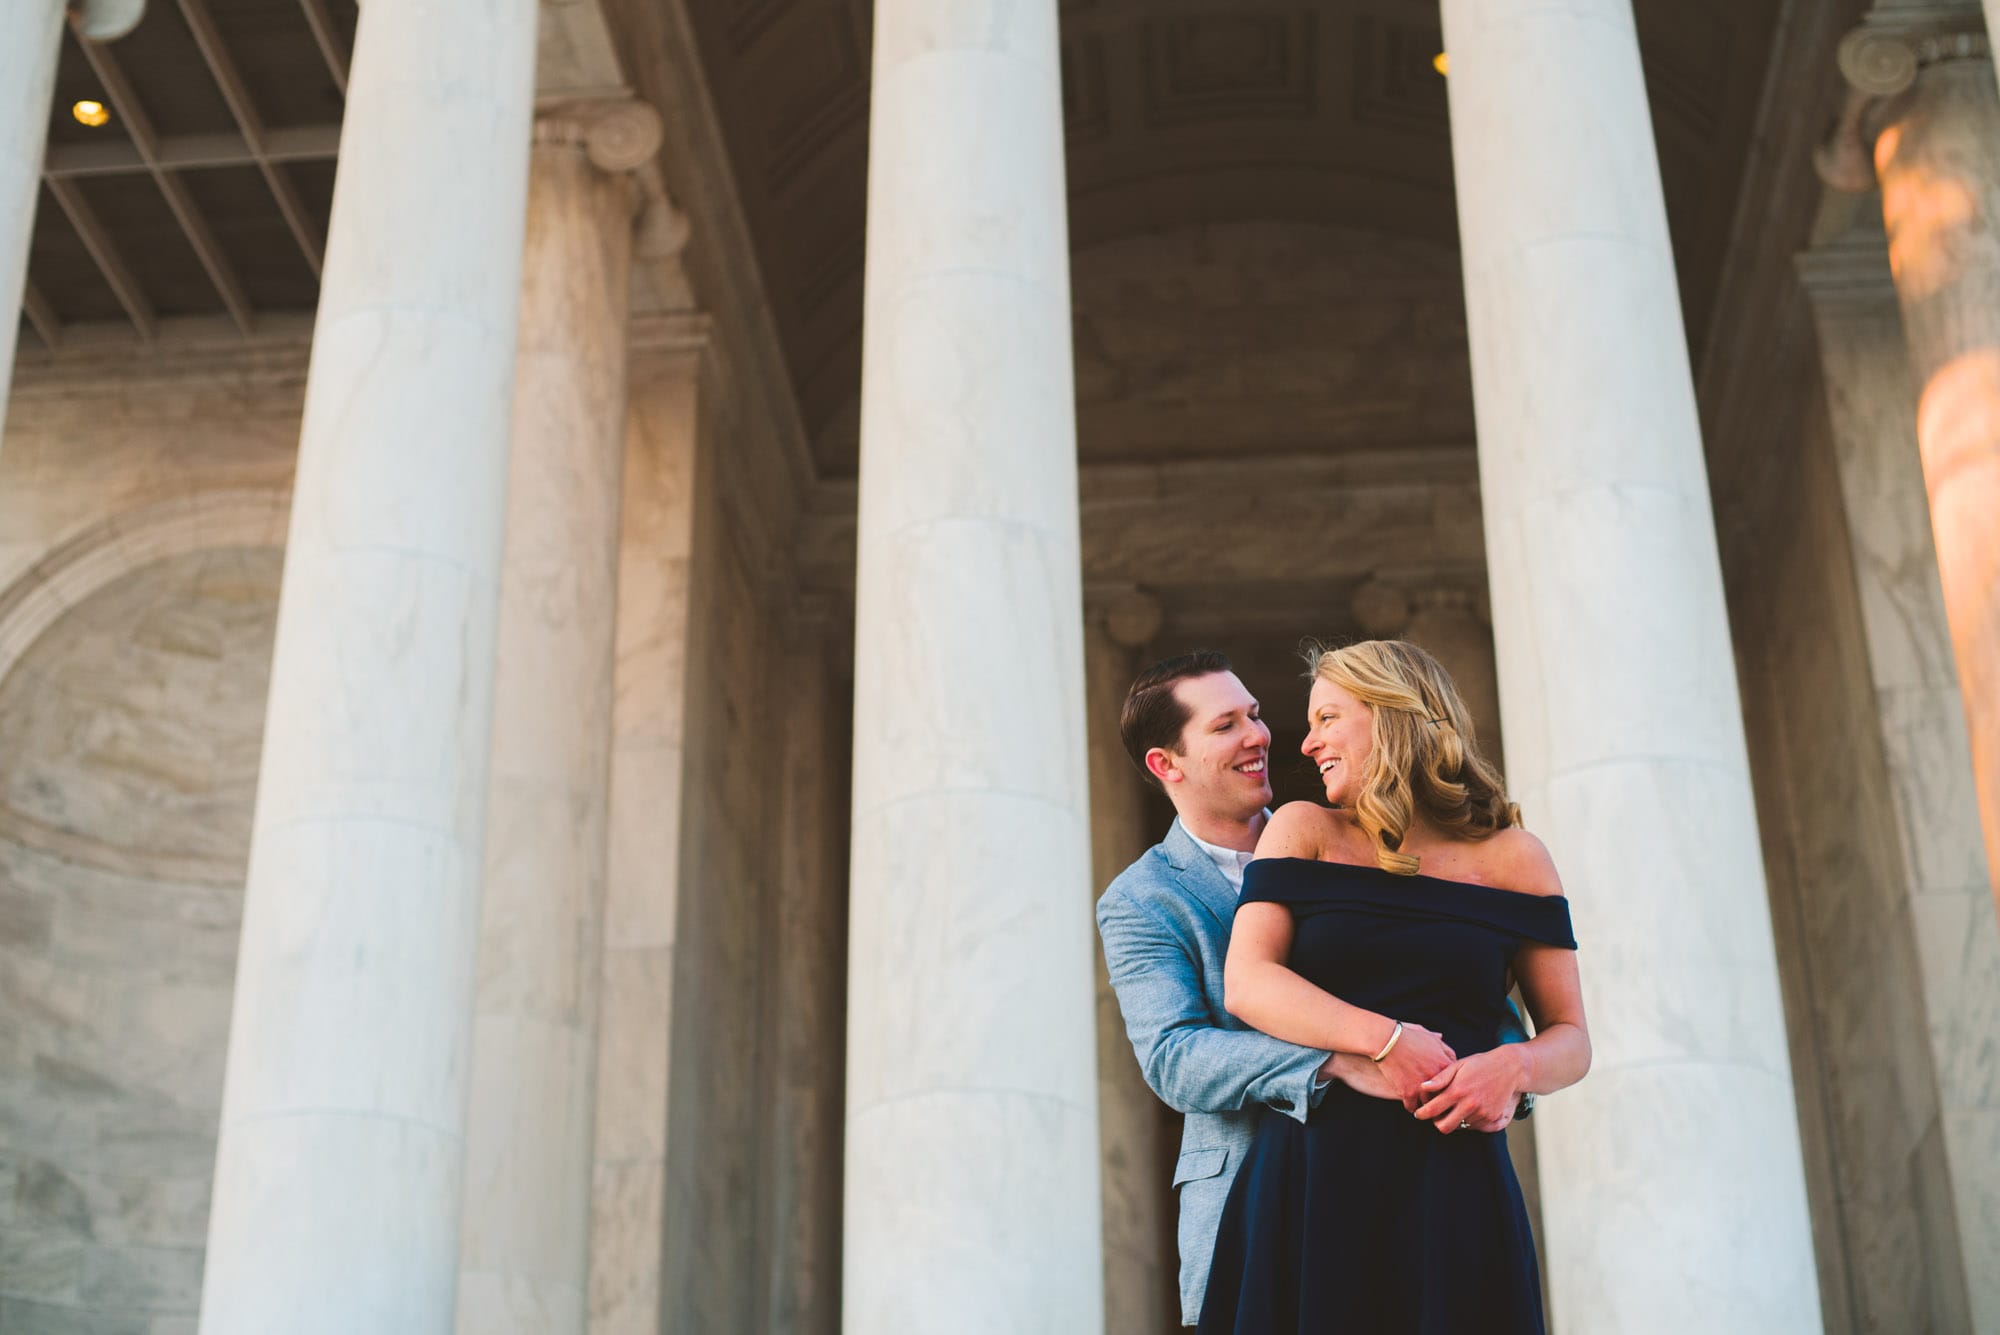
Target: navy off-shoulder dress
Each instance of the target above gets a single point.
(1366, 1220)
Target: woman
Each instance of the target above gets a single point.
(1389, 926)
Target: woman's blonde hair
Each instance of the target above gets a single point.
(1424, 757)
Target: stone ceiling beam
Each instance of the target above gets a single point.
(182, 152)
(312, 246)
(41, 315)
(139, 128)
(105, 253)
(327, 38)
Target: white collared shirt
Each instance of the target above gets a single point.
(1228, 861)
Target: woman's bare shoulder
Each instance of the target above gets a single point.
(1520, 861)
(1300, 830)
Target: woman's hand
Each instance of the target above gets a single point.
(1418, 1055)
(1482, 1091)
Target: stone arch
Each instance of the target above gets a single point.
(133, 663)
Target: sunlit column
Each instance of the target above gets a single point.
(972, 1175)
(30, 31)
(1141, 1267)
(338, 1173)
(1942, 905)
(1938, 159)
(524, 1256)
(1673, 1192)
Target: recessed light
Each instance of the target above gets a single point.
(90, 113)
(1441, 63)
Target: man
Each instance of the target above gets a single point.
(1190, 724)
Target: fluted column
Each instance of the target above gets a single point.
(338, 1173)
(524, 1256)
(30, 34)
(1936, 146)
(1140, 1270)
(1672, 1187)
(972, 1178)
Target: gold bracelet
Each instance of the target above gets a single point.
(1390, 1046)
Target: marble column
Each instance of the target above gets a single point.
(1673, 1191)
(1937, 156)
(665, 483)
(338, 1173)
(972, 1174)
(524, 1255)
(29, 40)
(1141, 1268)
(1941, 907)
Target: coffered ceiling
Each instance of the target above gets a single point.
(1185, 112)
(204, 196)
(204, 200)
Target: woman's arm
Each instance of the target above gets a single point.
(1485, 1088)
(1559, 1054)
(1260, 989)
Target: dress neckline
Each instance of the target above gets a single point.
(1414, 876)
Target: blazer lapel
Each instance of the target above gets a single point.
(1199, 875)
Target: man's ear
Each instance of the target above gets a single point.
(1161, 764)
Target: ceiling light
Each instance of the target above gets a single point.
(1441, 63)
(90, 113)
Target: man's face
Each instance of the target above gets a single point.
(1220, 764)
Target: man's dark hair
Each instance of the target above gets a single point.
(1153, 715)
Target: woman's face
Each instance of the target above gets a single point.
(1337, 739)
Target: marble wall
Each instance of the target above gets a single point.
(128, 753)
(138, 596)
(131, 709)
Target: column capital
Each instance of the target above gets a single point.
(1880, 60)
(1130, 615)
(1380, 608)
(618, 134)
(107, 20)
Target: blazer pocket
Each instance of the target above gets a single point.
(1195, 1165)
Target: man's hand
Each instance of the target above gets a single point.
(1479, 1093)
(1358, 1074)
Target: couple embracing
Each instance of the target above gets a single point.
(1323, 992)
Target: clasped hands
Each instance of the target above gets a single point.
(1436, 1085)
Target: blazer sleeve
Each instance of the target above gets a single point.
(1191, 1062)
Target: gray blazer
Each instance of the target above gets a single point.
(1165, 925)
